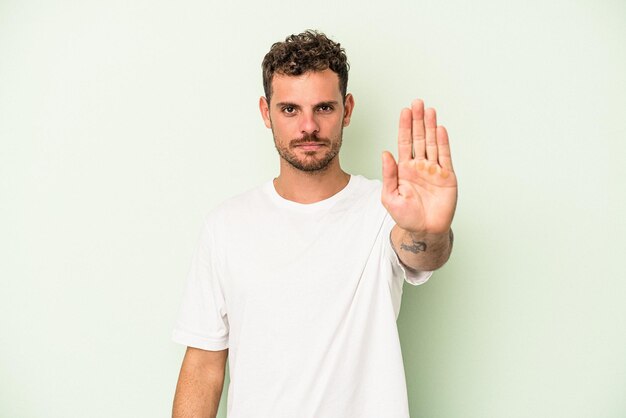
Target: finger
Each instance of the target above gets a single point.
(390, 176)
(443, 148)
(430, 123)
(419, 141)
(404, 136)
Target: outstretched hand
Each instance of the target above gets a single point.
(420, 191)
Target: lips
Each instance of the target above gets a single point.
(310, 146)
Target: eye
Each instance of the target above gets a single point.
(325, 108)
(289, 110)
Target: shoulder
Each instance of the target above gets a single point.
(371, 185)
(363, 200)
(365, 188)
(237, 206)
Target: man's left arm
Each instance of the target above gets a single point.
(420, 191)
(421, 252)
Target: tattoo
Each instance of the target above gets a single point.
(416, 247)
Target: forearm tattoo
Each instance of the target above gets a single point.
(438, 252)
(415, 247)
(420, 246)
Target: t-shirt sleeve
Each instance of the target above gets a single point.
(203, 318)
(414, 277)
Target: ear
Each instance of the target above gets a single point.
(265, 111)
(348, 108)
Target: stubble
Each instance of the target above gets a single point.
(310, 163)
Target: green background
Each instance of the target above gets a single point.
(123, 122)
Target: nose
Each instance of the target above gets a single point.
(309, 124)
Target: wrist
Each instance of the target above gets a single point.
(421, 250)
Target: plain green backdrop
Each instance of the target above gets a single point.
(123, 122)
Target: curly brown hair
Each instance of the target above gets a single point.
(308, 51)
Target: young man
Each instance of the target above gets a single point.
(299, 281)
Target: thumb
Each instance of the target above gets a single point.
(390, 175)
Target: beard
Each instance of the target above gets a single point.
(310, 162)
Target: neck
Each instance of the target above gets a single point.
(310, 187)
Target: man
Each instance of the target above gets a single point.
(299, 282)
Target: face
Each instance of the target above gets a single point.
(307, 116)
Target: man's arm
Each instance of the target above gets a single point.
(420, 191)
(423, 252)
(200, 384)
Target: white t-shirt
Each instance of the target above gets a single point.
(305, 297)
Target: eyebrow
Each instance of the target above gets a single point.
(296, 106)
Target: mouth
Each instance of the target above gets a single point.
(310, 146)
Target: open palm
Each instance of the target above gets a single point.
(420, 191)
